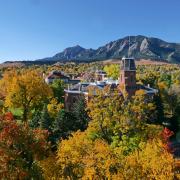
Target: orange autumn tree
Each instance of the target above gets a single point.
(26, 91)
(166, 135)
(20, 149)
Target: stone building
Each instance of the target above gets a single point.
(126, 84)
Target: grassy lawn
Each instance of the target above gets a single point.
(16, 112)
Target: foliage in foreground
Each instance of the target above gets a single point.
(118, 144)
(118, 138)
(82, 158)
(20, 149)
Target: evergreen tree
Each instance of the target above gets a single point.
(63, 125)
(81, 115)
(34, 123)
(45, 120)
(58, 87)
(159, 108)
(68, 122)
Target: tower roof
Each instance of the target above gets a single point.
(128, 64)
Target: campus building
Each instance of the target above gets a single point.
(126, 84)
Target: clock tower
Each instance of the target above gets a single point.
(127, 79)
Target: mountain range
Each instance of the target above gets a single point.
(139, 47)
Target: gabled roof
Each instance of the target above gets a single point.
(57, 75)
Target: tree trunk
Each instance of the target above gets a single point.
(25, 114)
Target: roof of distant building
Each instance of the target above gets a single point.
(57, 74)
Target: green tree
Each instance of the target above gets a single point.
(171, 103)
(159, 108)
(34, 122)
(81, 114)
(58, 87)
(63, 125)
(104, 110)
(67, 122)
(166, 78)
(45, 120)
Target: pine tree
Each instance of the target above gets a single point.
(63, 125)
(159, 109)
(34, 123)
(81, 115)
(45, 120)
(58, 89)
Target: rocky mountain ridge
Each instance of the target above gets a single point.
(139, 47)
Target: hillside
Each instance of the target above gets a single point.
(140, 47)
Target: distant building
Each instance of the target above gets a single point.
(53, 75)
(126, 84)
(100, 75)
(92, 76)
(72, 94)
(127, 80)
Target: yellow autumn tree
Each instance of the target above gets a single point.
(26, 91)
(100, 162)
(80, 157)
(6, 81)
(50, 168)
(152, 161)
(121, 122)
(105, 109)
(142, 106)
(70, 155)
(54, 107)
(112, 70)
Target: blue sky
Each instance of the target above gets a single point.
(31, 29)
